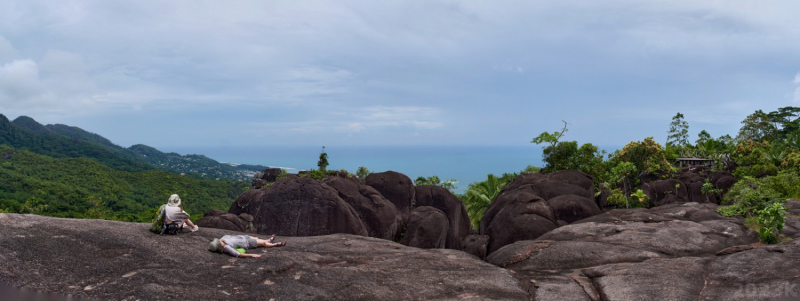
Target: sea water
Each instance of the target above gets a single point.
(464, 164)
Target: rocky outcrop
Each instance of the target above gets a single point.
(263, 177)
(395, 187)
(110, 260)
(668, 191)
(427, 229)
(476, 245)
(380, 216)
(524, 217)
(673, 252)
(222, 220)
(534, 204)
(456, 215)
(299, 207)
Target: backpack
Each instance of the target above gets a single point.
(159, 225)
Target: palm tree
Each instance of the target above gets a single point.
(479, 196)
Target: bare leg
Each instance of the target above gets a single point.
(188, 223)
(266, 243)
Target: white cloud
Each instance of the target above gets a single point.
(797, 78)
(20, 86)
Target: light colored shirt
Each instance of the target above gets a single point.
(175, 213)
(232, 242)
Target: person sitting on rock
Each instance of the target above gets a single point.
(174, 212)
(229, 243)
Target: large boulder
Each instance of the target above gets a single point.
(378, 214)
(574, 177)
(299, 207)
(535, 203)
(525, 218)
(222, 220)
(476, 245)
(263, 177)
(427, 229)
(442, 199)
(395, 187)
(571, 208)
(554, 188)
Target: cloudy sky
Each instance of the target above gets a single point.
(250, 73)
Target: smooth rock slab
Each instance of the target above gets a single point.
(124, 261)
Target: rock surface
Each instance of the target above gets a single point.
(112, 260)
(380, 216)
(673, 252)
(222, 220)
(454, 210)
(533, 204)
(395, 187)
(299, 206)
(427, 228)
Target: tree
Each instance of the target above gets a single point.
(757, 126)
(323, 160)
(702, 137)
(546, 137)
(435, 181)
(480, 195)
(647, 156)
(566, 155)
(678, 132)
(362, 172)
(786, 120)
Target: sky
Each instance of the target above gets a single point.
(350, 73)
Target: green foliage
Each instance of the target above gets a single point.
(531, 168)
(753, 158)
(551, 138)
(84, 188)
(703, 137)
(678, 132)
(647, 156)
(323, 160)
(480, 194)
(708, 189)
(757, 126)
(760, 200)
(315, 174)
(435, 181)
(637, 199)
(567, 155)
(362, 172)
(640, 198)
(770, 223)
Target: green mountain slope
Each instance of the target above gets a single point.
(69, 141)
(84, 188)
(32, 138)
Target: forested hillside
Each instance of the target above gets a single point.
(48, 143)
(84, 188)
(60, 141)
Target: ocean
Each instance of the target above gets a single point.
(465, 164)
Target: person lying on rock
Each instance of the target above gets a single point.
(229, 243)
(174, 212)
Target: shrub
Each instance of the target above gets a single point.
(770, 223)
(761, 199)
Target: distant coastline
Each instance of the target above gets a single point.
(465, 164)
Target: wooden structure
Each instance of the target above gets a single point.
(694, 161)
